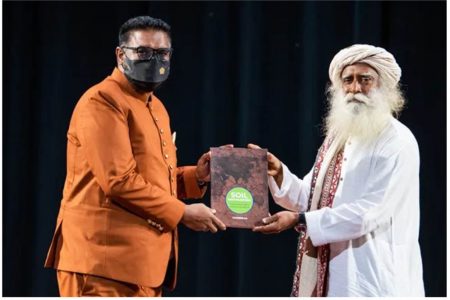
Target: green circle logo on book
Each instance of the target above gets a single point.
(239, 200)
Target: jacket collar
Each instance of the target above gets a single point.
(118, 76)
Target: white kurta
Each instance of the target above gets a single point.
(373, 225)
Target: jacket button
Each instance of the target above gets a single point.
(164, 143)
(166, 156)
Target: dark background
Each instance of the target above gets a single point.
(241, 72)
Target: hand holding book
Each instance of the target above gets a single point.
(203, 171)
(278, 222)
(274, 167)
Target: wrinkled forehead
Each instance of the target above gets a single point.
(359, 69)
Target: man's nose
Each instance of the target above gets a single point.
(355, 87)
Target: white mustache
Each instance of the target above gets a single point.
(359, 97)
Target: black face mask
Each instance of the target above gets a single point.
(146, 75)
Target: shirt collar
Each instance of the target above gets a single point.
(118, 76)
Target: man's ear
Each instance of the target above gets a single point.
(119, 57)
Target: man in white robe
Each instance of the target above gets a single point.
(357, 210)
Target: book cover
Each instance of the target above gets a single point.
(239, 191)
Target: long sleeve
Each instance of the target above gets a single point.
(187, 183)
(104, 134)
(384, 193)
(294, 192)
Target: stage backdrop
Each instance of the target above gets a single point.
(241, 72)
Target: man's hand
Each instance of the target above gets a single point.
(199, 217)
(274, 167)
(203, 171)
(278, 222)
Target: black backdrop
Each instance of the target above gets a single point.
(241, 72)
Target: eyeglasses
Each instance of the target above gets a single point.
(146, 53)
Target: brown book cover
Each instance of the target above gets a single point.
(239, 191)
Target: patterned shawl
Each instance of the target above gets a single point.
(310, 279)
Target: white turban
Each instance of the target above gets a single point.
(378, 58)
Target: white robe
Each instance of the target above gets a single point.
(373, 225)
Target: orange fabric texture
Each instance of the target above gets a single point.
(120, 210)
(72, 284)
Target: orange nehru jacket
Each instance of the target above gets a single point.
(119, 213)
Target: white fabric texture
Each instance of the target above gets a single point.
(373, 225)
(378, 58)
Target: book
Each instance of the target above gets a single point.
(239, 188)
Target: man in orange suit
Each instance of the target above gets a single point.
(116, 232)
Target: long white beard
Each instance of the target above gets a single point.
(357, 115)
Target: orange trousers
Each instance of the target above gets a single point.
(73, 284)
